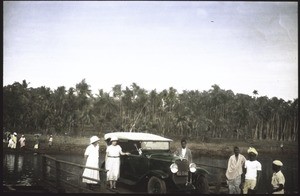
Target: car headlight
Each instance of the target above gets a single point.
(193, 167)
(174, 168)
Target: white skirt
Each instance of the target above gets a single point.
(92, 161)
(113, 166)
(90, 173)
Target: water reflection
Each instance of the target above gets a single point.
(35, 161)
(20, 169)
(10, 162)
(20, 163)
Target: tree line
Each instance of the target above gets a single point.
(216, 113)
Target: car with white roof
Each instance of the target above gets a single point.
(151, 163)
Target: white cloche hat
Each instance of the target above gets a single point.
(113, 138)
(94, 139)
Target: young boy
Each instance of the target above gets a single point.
(278, 179)
(252, 173)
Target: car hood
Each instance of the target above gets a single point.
(162, 156)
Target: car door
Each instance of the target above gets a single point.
(133, 166)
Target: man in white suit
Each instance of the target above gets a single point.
(234, 171)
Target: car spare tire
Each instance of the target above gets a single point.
(156, 185)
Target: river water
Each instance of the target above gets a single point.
(24, 169)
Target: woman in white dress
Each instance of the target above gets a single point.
(10, 142)
(112, 162)
(14, 139)
(91, 155)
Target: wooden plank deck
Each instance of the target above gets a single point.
(103, 189)
(57, 178)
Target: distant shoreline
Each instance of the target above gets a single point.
(217, 148)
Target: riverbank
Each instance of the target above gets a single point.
(215, 147)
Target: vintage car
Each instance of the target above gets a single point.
(153, 166)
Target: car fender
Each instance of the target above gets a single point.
(201, 171)
(158, 173)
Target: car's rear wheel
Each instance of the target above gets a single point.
(156, 185)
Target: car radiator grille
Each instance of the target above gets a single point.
(181, 176)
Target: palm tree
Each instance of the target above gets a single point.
(84, 103)
(255, 93)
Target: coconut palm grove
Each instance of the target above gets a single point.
(216, 113)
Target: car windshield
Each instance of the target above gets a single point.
(154, 145)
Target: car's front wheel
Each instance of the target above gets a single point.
(156, 185)
(201, 184)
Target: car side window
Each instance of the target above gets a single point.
(138, 149)
(129, 147)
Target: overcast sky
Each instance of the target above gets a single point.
(240, 46)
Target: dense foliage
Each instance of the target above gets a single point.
(216, 113)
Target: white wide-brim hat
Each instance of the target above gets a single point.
(15, 133)
(94, 139)
(113, 138)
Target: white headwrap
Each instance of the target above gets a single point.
(277, 162)
(251, 149)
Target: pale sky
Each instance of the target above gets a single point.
(240, 46)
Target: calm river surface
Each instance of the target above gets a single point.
(23, 169)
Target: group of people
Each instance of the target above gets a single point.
(37, 142)
(243, 175)
(112, 162)
(12, 141)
